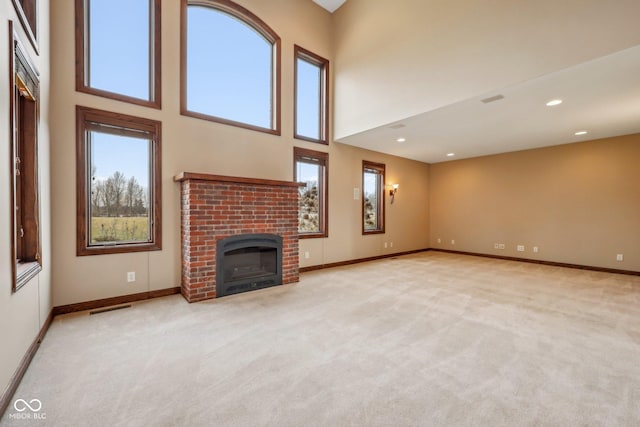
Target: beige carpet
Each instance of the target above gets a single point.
(429, 339)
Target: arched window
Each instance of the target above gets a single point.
(230, 66)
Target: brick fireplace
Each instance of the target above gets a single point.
(217, 207)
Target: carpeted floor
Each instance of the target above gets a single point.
(428, 339)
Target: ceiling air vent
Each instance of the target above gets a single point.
(492, 99)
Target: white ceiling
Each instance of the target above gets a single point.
(330, 5)
(600, 96)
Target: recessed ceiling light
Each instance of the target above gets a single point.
(451, 154)
(581, 132)
(401, 139)
(554, 102)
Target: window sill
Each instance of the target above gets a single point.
(26, 271)
(118, 249)
(312, 235)
(309, 139)
(203, 116)
(119, 97)
(364, 233)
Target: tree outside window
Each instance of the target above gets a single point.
(119, 193)
(311, 169)
(372, 197)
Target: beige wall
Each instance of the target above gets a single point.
(396, 59)
(23, 313)
(579, 203)
(194, 145)
(407, 220)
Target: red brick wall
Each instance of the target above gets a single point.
(215, 209)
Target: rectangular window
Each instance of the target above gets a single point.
(311, 96)
(119, 187)
(118, 49)
(25, 212)
(28, 14)
(372, 197)
(311, 168)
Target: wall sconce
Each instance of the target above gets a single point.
(393, 191)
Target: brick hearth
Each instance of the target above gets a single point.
(214, 207)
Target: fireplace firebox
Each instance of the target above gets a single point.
(248, 262)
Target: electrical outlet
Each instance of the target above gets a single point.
(520, 248)
(496, 246)
(453, 242)
(439, 240)
(131, 276)
(391, 244)
(385, 245)
(620, 257)
(306, 255)
(356, 193)
(535, 249)
(500, 245)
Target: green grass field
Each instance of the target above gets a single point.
(119, 229)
